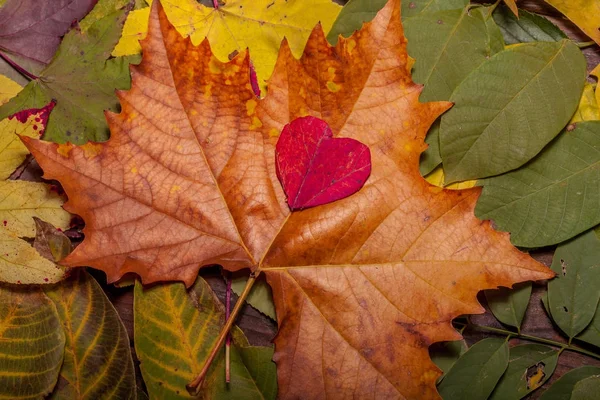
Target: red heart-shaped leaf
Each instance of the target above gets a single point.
(315, 168)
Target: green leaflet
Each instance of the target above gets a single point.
(174, 331)
(563, 387)
(98, 363)
(573, 295)
(509, 305)
(587, 389)
(445, 354)
(528, 27)
(476, 372)
(82, 82)
(529, 367)
(31, 344)
(509, 108)
(260, 296)
(554, 197)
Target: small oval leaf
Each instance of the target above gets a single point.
(562, 388)
(509, 305)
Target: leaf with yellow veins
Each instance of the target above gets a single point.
(8, 89)
(584, 13)
(20, 201)
(436, 178)
(22, 264)
(258, 25)
(588, 106)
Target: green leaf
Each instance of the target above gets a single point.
(414, 8)
(587, 389)
(476, 373)
(562, 388)
(82, 82)
(431, 157)
(494, 33)
(260, 296)
(31, 344)
(528, 27)
(530, 366)
(509, 305)
(573, 295)
(98, 362)
(554, 197)
(445, 354)
(174, 332)
(352, 16)
(509, 108)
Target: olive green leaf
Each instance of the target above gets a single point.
(573, 295)
(509, 305)
(563, 387)
(260, 296)
(509, 108)
(98, 362)
(528, 27)
(413, 8)
(174, 332)
(31, 344)
(477, 371)
(587, 389)
(82, 81)
(554, 197)
(352, 16)
(530, 365)
(445, 354)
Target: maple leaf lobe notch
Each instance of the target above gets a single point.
(315, 168)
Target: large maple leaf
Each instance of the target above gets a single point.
(363, 285)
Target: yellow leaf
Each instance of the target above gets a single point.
(21, 263)
(259, 25)
(20, 201)
(512, 4)
(588, 106)
(596, 73)
(8, 89)
(584, 13)
(436, 178)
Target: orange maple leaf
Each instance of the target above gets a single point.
(362, 286)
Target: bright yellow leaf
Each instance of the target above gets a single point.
(584, 13)
(21, 263)
(588, 106)
(436, 178)
(8, 89)
(259, 25)
(20, 201)
(512, 4)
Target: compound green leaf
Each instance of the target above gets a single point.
(563, 387)
(31, 344)
(573, 295)
(509, 108)
(97, 362)
(587, 389)
(529, 367)
(476, 373)
(554, 197)
(509, 305)
(174, 332)
(528, 27)
(260, 296)
(445, 354)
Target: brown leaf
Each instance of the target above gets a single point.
(363, 285)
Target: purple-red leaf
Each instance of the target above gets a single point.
(33, 28)
(315, 168)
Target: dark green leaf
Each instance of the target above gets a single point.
(445, 354)
(509, 305)
(476, 373)
(554, 197)
(509, 108)
(562, 388)
(82, 82)
(573, 295)
(527, 28)
(587, 389)
(530, 366)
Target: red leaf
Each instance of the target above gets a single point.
(42, 118)
(314, 168)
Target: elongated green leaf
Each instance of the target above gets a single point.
(82, 82)
(98, 362)
(509, 108)
(509, 305)
(573, 295)
(445, 354)
(528, 27)
(552, 198)
(529, 367)
(476, 373)
(31, 344)
(260, 296)
(587, 389)
(174, 331)
(563, 387)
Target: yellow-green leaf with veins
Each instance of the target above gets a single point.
(8, 89)
(584, 13)
(259, 25)
(20, 201)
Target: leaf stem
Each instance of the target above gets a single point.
(194, 386)
(563, 346)
(228, 340)
(19, 69)
(583, 45)
(215, 3)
